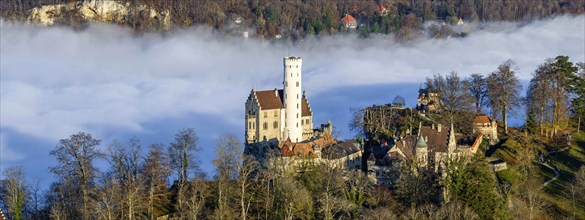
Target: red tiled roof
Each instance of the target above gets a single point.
(305, 148)
(269, 99)
(482, 119)
(348, 19)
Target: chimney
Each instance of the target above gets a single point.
(276, 92)
(439, 128)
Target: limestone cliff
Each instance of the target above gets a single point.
(109, 11)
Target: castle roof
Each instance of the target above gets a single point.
(342, 149)
(405, 144)
(289, 148)
(436, 141)
(269, 99)
(273, 99)
(421, 143)
(480, 119)
(305, 109)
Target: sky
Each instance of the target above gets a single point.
(115, 85)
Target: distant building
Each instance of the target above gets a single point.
(432, 147)
(428, 101)
(348, 22)
(460, 21)
(344, 155)
(487, 126)
(382, 10)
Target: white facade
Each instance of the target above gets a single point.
(293, 129)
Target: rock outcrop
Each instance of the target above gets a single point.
(109, 11)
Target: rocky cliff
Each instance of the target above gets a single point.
(109, 11)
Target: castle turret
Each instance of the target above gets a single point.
(422, 151)
(292, 98)
(452, 141)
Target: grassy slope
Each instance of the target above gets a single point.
(555, 193)
(568, 162)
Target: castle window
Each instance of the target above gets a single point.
(297, 105)
(297, 116)
(275, 113)
(297, 96)
(307, 121)
(265, 114)
(265, 125)
(275, 125)
(286, 84)
(297, 66)
(297, 124)
(297, 83)
(249, 125)
(302, 122)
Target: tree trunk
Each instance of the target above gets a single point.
(579, 124)
(505, 115)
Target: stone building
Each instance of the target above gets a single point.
(486, 126)
(432, 147)
(280, 114)
(428, 101)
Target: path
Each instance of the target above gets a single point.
(557, 174)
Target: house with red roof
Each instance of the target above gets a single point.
(487, 126)
(348, 22)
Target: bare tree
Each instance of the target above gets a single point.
(531, 193)
(35, 200)
(75, 157)
(478, 89)
(14, 192)
(197, 192)
(228, 150)
(156, 169)
(504, 91)
(247, 180)
(108, 200)
(125, 163)
(331, 201)
(183, 160)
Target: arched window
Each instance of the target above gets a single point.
(275, 124)
(265, 125)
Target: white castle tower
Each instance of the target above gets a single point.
(293, 129)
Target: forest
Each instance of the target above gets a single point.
(296, 19)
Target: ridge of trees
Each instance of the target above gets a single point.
(297, 19)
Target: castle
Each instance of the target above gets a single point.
(280, 122)
(280, 114)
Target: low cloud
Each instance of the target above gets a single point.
(56, 81)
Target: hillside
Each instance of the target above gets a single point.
(556, 197)
(287, 19)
